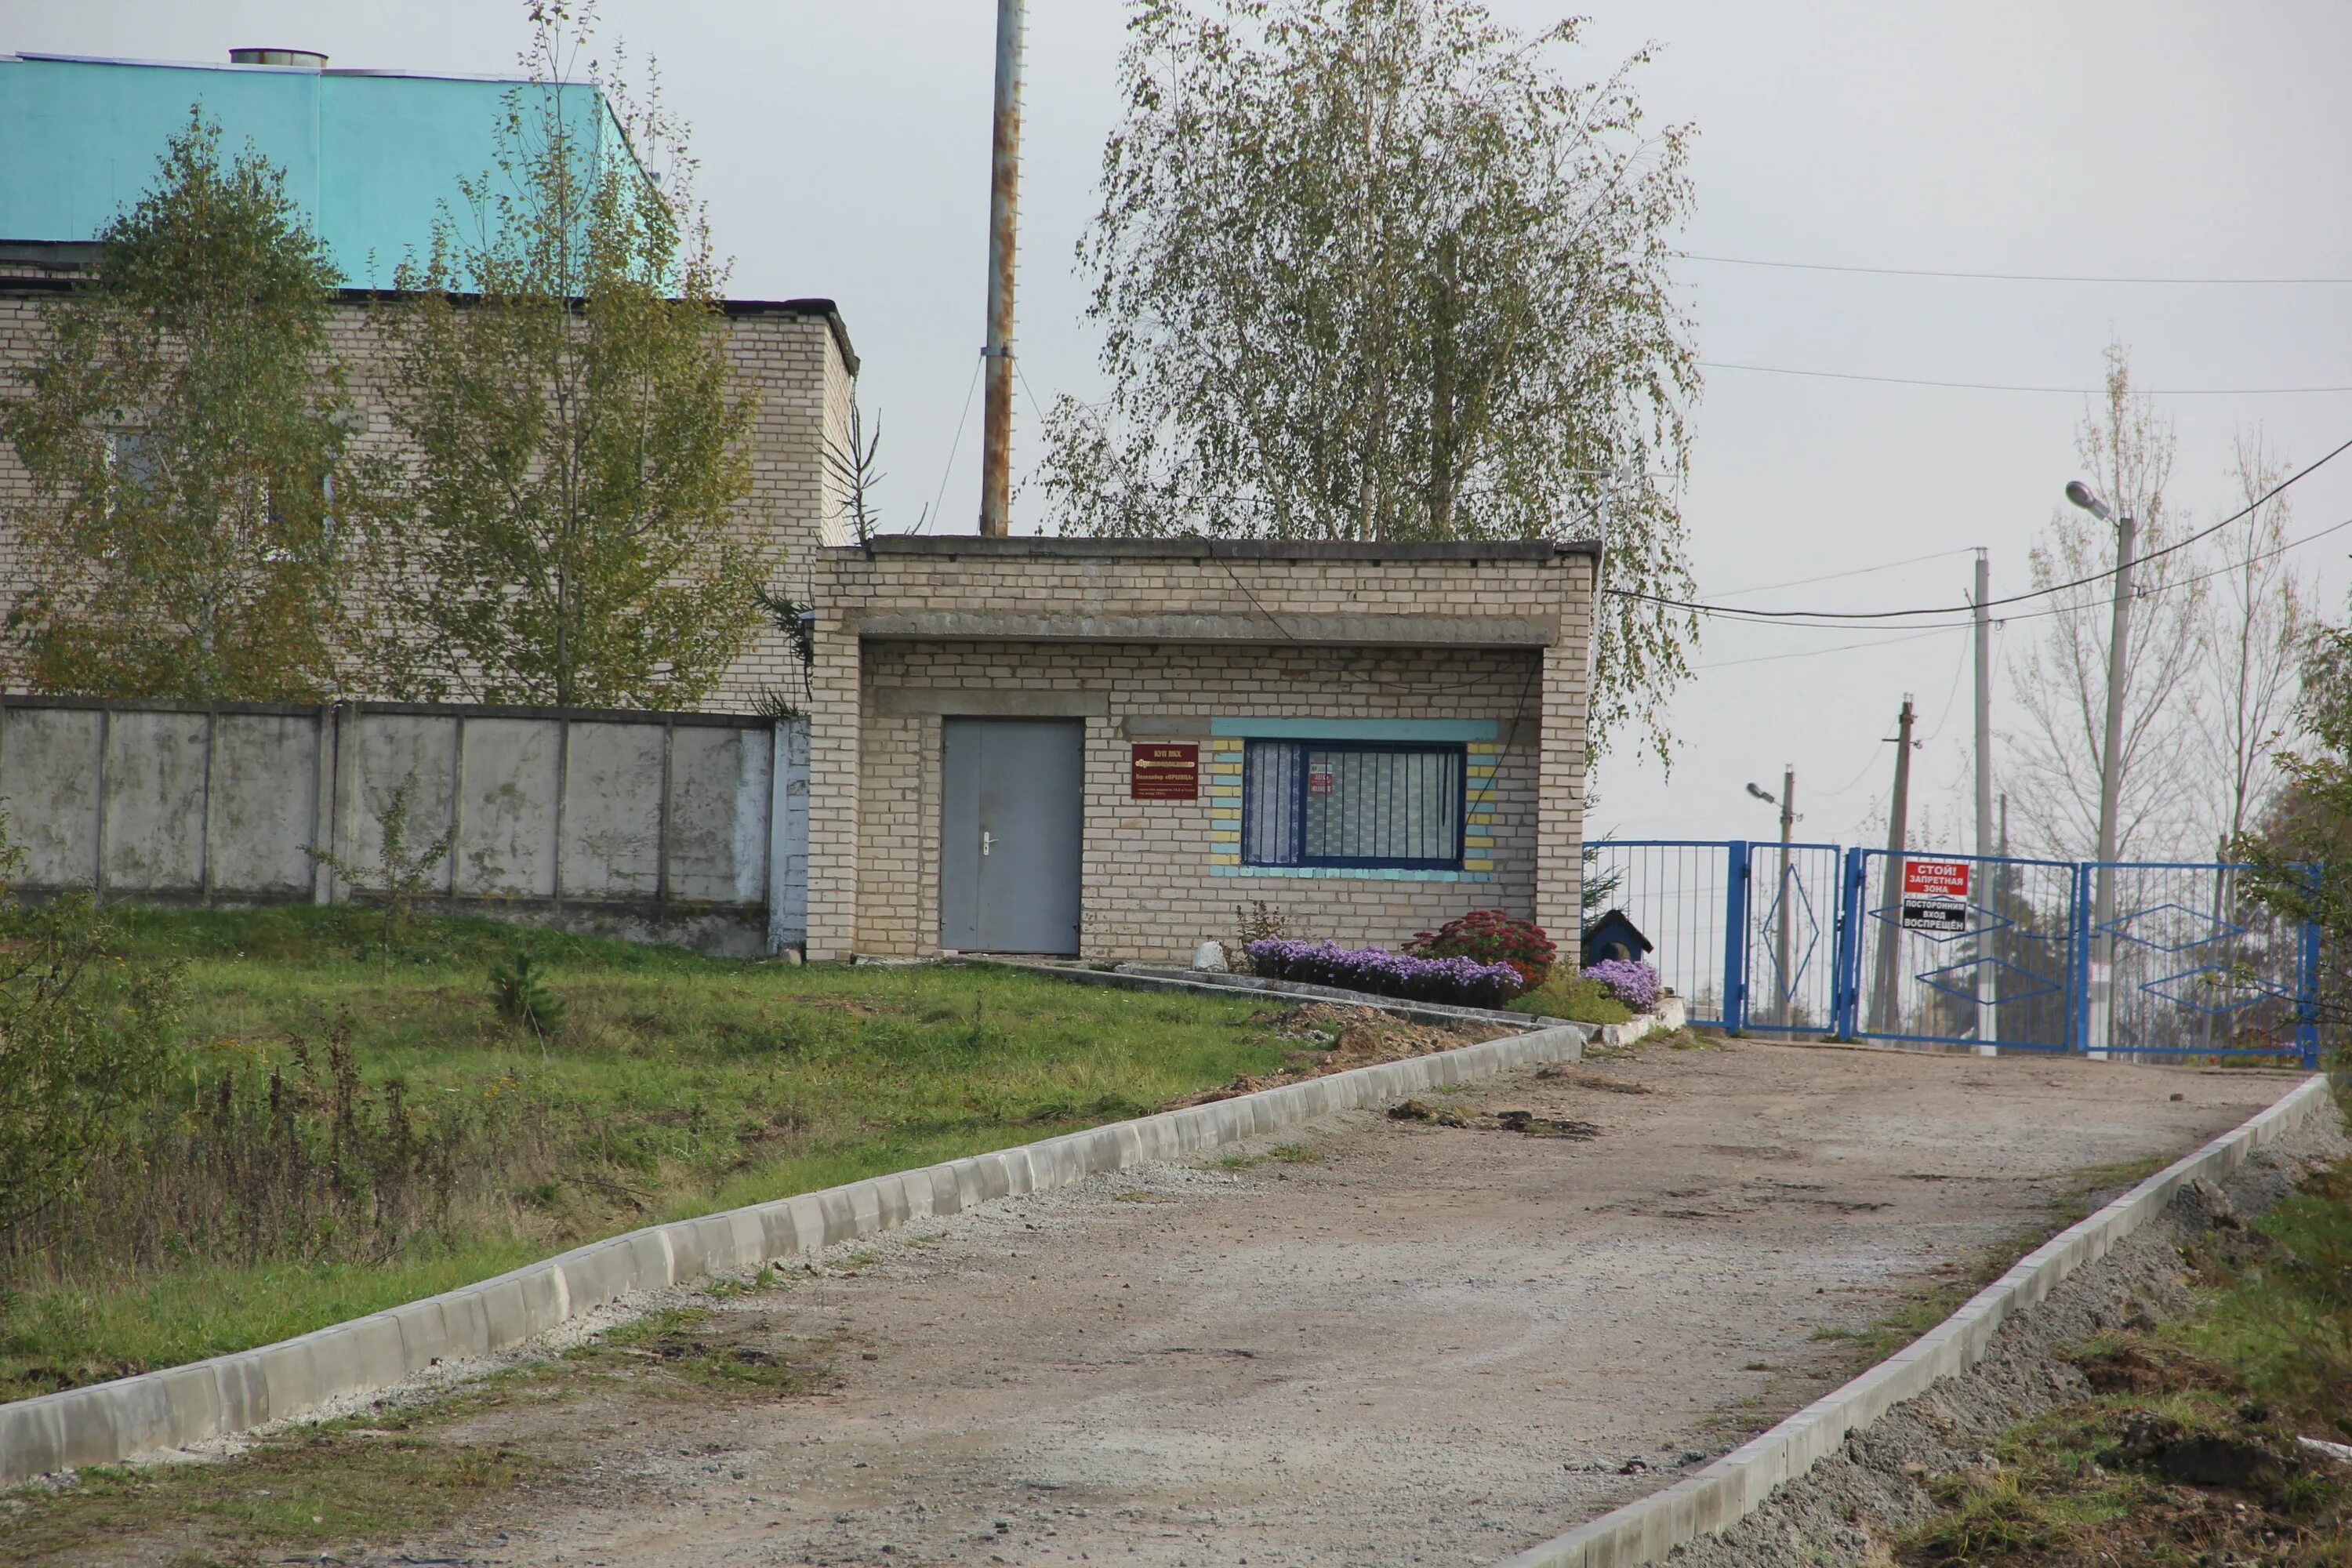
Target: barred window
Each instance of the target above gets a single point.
(1312, 802)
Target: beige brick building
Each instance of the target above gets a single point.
(1371, 739)
(794, 355)
(1105, 748)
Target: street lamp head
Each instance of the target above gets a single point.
(1763, 794)
(2082, 495)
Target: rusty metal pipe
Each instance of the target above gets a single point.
(1004, 217)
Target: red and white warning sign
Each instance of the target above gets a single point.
(1936, 895)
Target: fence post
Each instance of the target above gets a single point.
(1846, 947)
(2306, 1000)
(2078, 963)
(1735, 937)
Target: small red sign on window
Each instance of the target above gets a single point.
(1320, 781)
(1164, 770)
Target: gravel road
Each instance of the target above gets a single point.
(1381, 1343)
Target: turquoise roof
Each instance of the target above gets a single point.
(371, 156)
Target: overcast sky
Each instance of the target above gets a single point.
(845, 154)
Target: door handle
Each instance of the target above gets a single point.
(987, 840)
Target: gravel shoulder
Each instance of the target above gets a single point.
(1374, 1341)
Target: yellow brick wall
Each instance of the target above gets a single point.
(1161, 876)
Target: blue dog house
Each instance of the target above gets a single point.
(1613, 936)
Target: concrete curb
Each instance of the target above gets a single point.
(1734, 1486)
(182, 1405)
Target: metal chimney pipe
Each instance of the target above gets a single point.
(1003, 215)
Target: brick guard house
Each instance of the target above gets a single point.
(1101, 748)
(1089, 747)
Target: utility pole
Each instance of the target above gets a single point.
(1003, 213)
(1885, 1014)
(1787, 830)
(2111, 772)
(1988, 1018)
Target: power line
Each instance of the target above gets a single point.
(1857, 572)
(2221, 571)
(2010, 386)
(2001, 277)
(1740, 613)
(945, 468)
(1824, 652)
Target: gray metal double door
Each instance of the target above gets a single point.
(1012, 820)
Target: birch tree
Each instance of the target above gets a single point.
(2259, 628)
(567, 533)
(1376, 269)
(2058, 748)
(184, 430)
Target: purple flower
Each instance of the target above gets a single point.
(1463, 982)
(1631, 982)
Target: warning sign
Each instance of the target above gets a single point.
(1935, 896)
(1164, 770)
(1320, 780)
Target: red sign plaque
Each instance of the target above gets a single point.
(1164, 770)
(1935, 896)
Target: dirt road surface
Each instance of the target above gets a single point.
(1380, 1342)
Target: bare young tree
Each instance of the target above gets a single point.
(2258, 633)
(2058, 748)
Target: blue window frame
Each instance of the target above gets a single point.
(1353, 802)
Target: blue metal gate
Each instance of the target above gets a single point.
(1810, 939)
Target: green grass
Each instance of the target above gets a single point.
(677, 1085)
(307, 1492)
(1571, 996)
(2265, 1358)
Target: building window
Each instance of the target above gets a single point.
(1312, 802)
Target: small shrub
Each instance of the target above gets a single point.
(85, 1041)
(402, 873)
(1631, 982)
(1463, 982)
(1258, 923)
(522, 997)
(1575, 999)
(1491, 936)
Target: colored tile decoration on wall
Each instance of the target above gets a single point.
(1221, 768)
(1478, 821)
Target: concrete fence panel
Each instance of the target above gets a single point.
(265, 805)
(665, 827)
(52, 776)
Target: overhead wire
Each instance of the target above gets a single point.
(1998, 623)
(1824, 652)
(1857, 572)
(948, 467)
(2002, 277)
(2010, 386)
(1741, 613)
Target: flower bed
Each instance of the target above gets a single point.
(1462, 982)
(1631, 982)
(1490, 936)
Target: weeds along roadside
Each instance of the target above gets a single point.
(333, 1126)
(2188, 1445)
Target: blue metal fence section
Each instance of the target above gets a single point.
(1685, 896)
(2003, 978)
(1789, 979)
(2185, 966)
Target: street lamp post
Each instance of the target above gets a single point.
(2111, 772)
(1781, 946)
